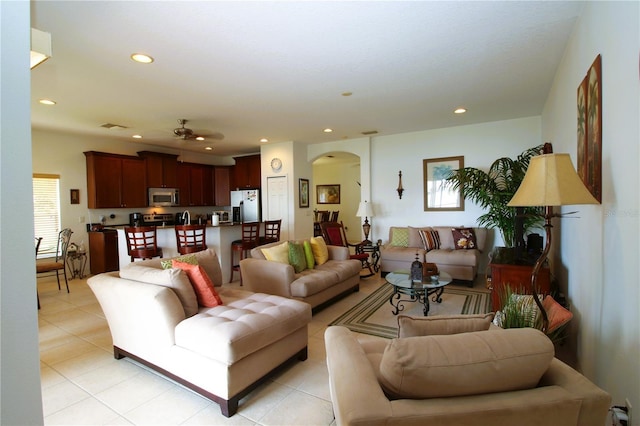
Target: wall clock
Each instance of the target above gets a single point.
(276, 164)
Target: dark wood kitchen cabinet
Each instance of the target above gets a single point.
(201, 185)
(162, 169)
(222, 185)
(115, 181)
(103, 251)
(247, 172)
(195, 182)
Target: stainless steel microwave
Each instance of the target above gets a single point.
(164, 197)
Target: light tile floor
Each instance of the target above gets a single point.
(82, 383)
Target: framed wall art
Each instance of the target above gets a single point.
(303, 193)
(328, 194)
(589, 104)
(437, 195)
(75, 196)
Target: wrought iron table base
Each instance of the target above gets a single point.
(420, 295)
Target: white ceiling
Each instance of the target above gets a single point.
(277, 70)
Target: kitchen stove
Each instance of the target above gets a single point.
(161, 219)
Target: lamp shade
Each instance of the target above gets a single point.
(551, 180)
(364, 209)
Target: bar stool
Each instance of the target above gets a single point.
(249, 241)
(271, 231)
(191, 238)
(142, 242)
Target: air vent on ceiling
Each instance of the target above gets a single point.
(112, 126)
(370, 132)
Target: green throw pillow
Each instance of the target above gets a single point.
(187, 258)
(297, 257)
(400, 237)
(308, 254)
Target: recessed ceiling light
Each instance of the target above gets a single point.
(208, 148)
(328, 130)
(199, 138)
(460, 110)
(142, 58)
(137, 136)
(263, 140)
(47, 102)
(347, 93)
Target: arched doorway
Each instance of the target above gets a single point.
(339, 170)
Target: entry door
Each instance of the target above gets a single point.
(277, 205)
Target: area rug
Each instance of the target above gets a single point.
(374, 314)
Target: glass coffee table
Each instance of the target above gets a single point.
(417, 291)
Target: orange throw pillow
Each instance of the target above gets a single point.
(202, 285)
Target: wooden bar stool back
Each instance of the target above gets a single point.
(271, 231)
(142, 242)
(191, 238)
(250, 240)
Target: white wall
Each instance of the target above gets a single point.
(480, 144)
(599, 261)
(20, 396)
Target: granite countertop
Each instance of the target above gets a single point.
(121, 227)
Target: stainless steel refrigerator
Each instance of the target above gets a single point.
(246, 205)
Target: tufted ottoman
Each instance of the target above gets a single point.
(222, 352)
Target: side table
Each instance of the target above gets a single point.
(374, 252)
(76, 262)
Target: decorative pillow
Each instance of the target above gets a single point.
(277, 253)
(556, 313)
(443, 366)
(464, 238)
(296, 257)
(202, 285)
(187, 258)
(414, 239)
(172, 278)
(430, 239)
(400, 237)
(442, 324)
(320, 250)
(308, 254)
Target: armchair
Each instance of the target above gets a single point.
(334, 234)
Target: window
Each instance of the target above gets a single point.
(46, 211)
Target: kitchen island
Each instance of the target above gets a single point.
(219, 238)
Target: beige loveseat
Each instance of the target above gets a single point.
(221, 352)
(405, 242)
(450, 375)
(318, 286)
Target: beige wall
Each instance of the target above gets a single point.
(598, 260)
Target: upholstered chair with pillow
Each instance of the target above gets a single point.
(456, 370)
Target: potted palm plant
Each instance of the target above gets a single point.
(493, 189)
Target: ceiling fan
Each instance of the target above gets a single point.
(185, 133)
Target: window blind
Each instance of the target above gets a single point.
(46, 211)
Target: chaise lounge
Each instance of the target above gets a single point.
(221, 352)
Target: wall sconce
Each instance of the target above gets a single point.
(40, 47)
(400, 188)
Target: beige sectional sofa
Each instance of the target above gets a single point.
(405, 242)
(457, 377)
(318, 286)
(221, 352)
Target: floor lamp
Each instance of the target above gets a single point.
(365, 210)
(550, 181)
